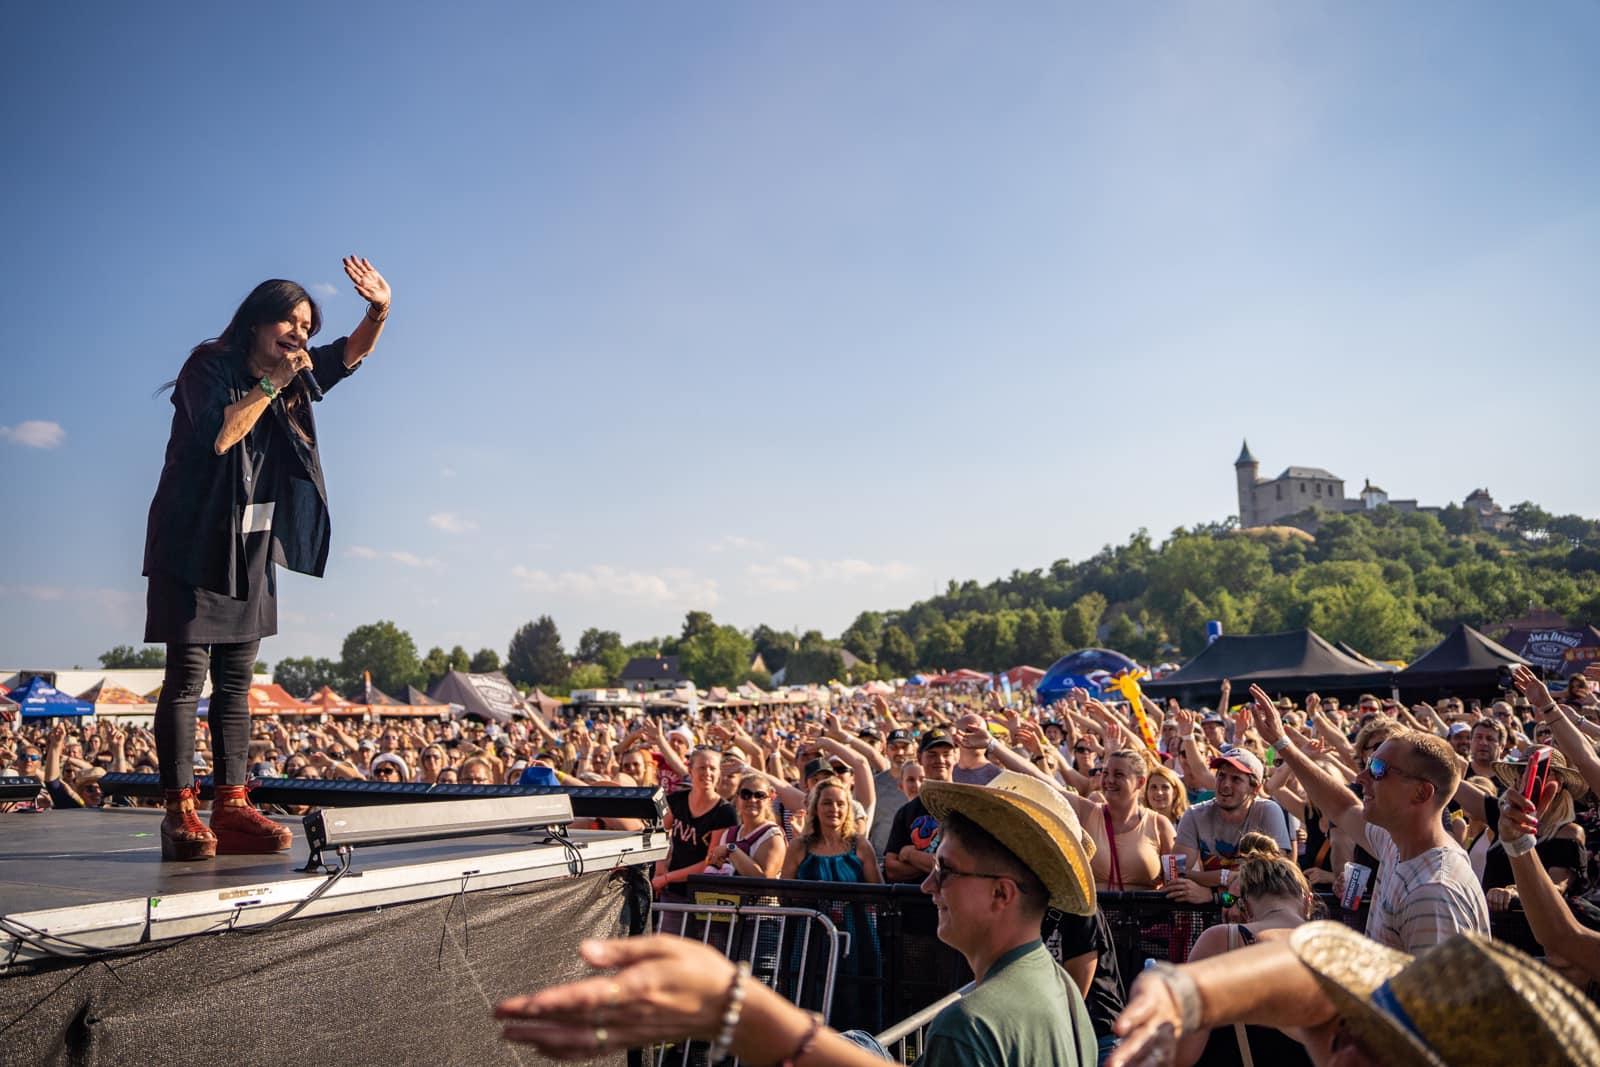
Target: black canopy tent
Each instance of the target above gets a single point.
(486, 697)
(1464, 664)
(1292, 663)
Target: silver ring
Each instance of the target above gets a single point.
(600, 1038)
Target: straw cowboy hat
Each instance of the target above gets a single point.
(1035, 822)
(1509, 772)
(1468, 1000)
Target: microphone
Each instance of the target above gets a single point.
(309, 381)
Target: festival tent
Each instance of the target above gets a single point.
(417, 705)
(1294, 663)
(273, 699)
(1023, 677)
(107, 693)
(9, 710)
(1375, 664)
(1557, 650)
(328, 702)
(486, 697)
(1465, 663)
(41, 700)
(1083, 669)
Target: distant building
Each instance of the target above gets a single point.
(644, 673)
(1301, 490)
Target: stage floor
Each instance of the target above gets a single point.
(97, 880)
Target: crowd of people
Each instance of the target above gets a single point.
(1255, 806)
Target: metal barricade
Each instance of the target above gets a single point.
(904, 1041)
(794, 951)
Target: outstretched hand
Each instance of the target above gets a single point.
(1268, 724)
(1530, 686)
(369, 283)
(1149, 1026)
(662, 988)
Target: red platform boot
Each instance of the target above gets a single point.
(241, 828)
(183, 835)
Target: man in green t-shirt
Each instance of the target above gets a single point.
(1010, 851)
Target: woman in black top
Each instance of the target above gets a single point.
(241, 489)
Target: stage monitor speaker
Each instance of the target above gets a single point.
(391, 824)
(20, 790)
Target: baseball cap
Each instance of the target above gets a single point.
(1240, 759)
(1459, 728)
(1212, 716)
(869, 731)
(935, 736)
(897, 736)
(821, 766)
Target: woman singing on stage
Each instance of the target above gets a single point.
(241, 489)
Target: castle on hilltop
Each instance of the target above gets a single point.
(1294, 497)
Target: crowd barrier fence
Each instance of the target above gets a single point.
(890, 965)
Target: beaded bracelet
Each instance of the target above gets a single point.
(808, 1040)
(730, 1017)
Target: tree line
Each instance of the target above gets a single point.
(1388, 583)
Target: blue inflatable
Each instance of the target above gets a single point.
(1083, 669)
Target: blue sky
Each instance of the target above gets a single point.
(785, 312)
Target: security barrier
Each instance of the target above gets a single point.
(892, 965)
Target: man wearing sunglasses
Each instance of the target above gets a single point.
(1426, 889)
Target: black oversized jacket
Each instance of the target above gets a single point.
(194, 532)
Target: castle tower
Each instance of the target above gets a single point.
(1246, 471)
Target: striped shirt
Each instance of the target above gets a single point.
(1423, 900)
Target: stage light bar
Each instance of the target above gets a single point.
(392, 824)
(20, 790)
(648, 805)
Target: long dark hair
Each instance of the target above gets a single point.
(272, 301)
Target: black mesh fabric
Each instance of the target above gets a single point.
(410, 984)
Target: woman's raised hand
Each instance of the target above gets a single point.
(369, 283)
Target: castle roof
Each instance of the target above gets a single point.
(1370, 488)
(1309, 472)
(1244, 456)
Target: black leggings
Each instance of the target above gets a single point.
(231, 667)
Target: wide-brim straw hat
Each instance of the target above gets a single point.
(1035, 822)
(1468, 1000)
(1509, 772)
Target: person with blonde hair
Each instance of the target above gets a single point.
(755, 848)
(1164, 793)
(1273, 898)
(1129, 839)
(832, 848)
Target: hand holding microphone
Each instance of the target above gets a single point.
(296, 364)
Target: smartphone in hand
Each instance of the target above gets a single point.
(1536, 774)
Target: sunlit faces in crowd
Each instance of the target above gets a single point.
(911, 775)
(637, 764)
(476, 771)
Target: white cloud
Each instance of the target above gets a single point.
(450, 522)
(101, 598)
(671, 586)
(324, 290)
(35, 433)
(409, 559)
(786, 574)
(447, 472)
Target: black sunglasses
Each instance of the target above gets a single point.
(1082, 749)
(942, 874)
(751, 794)
(387, 770)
